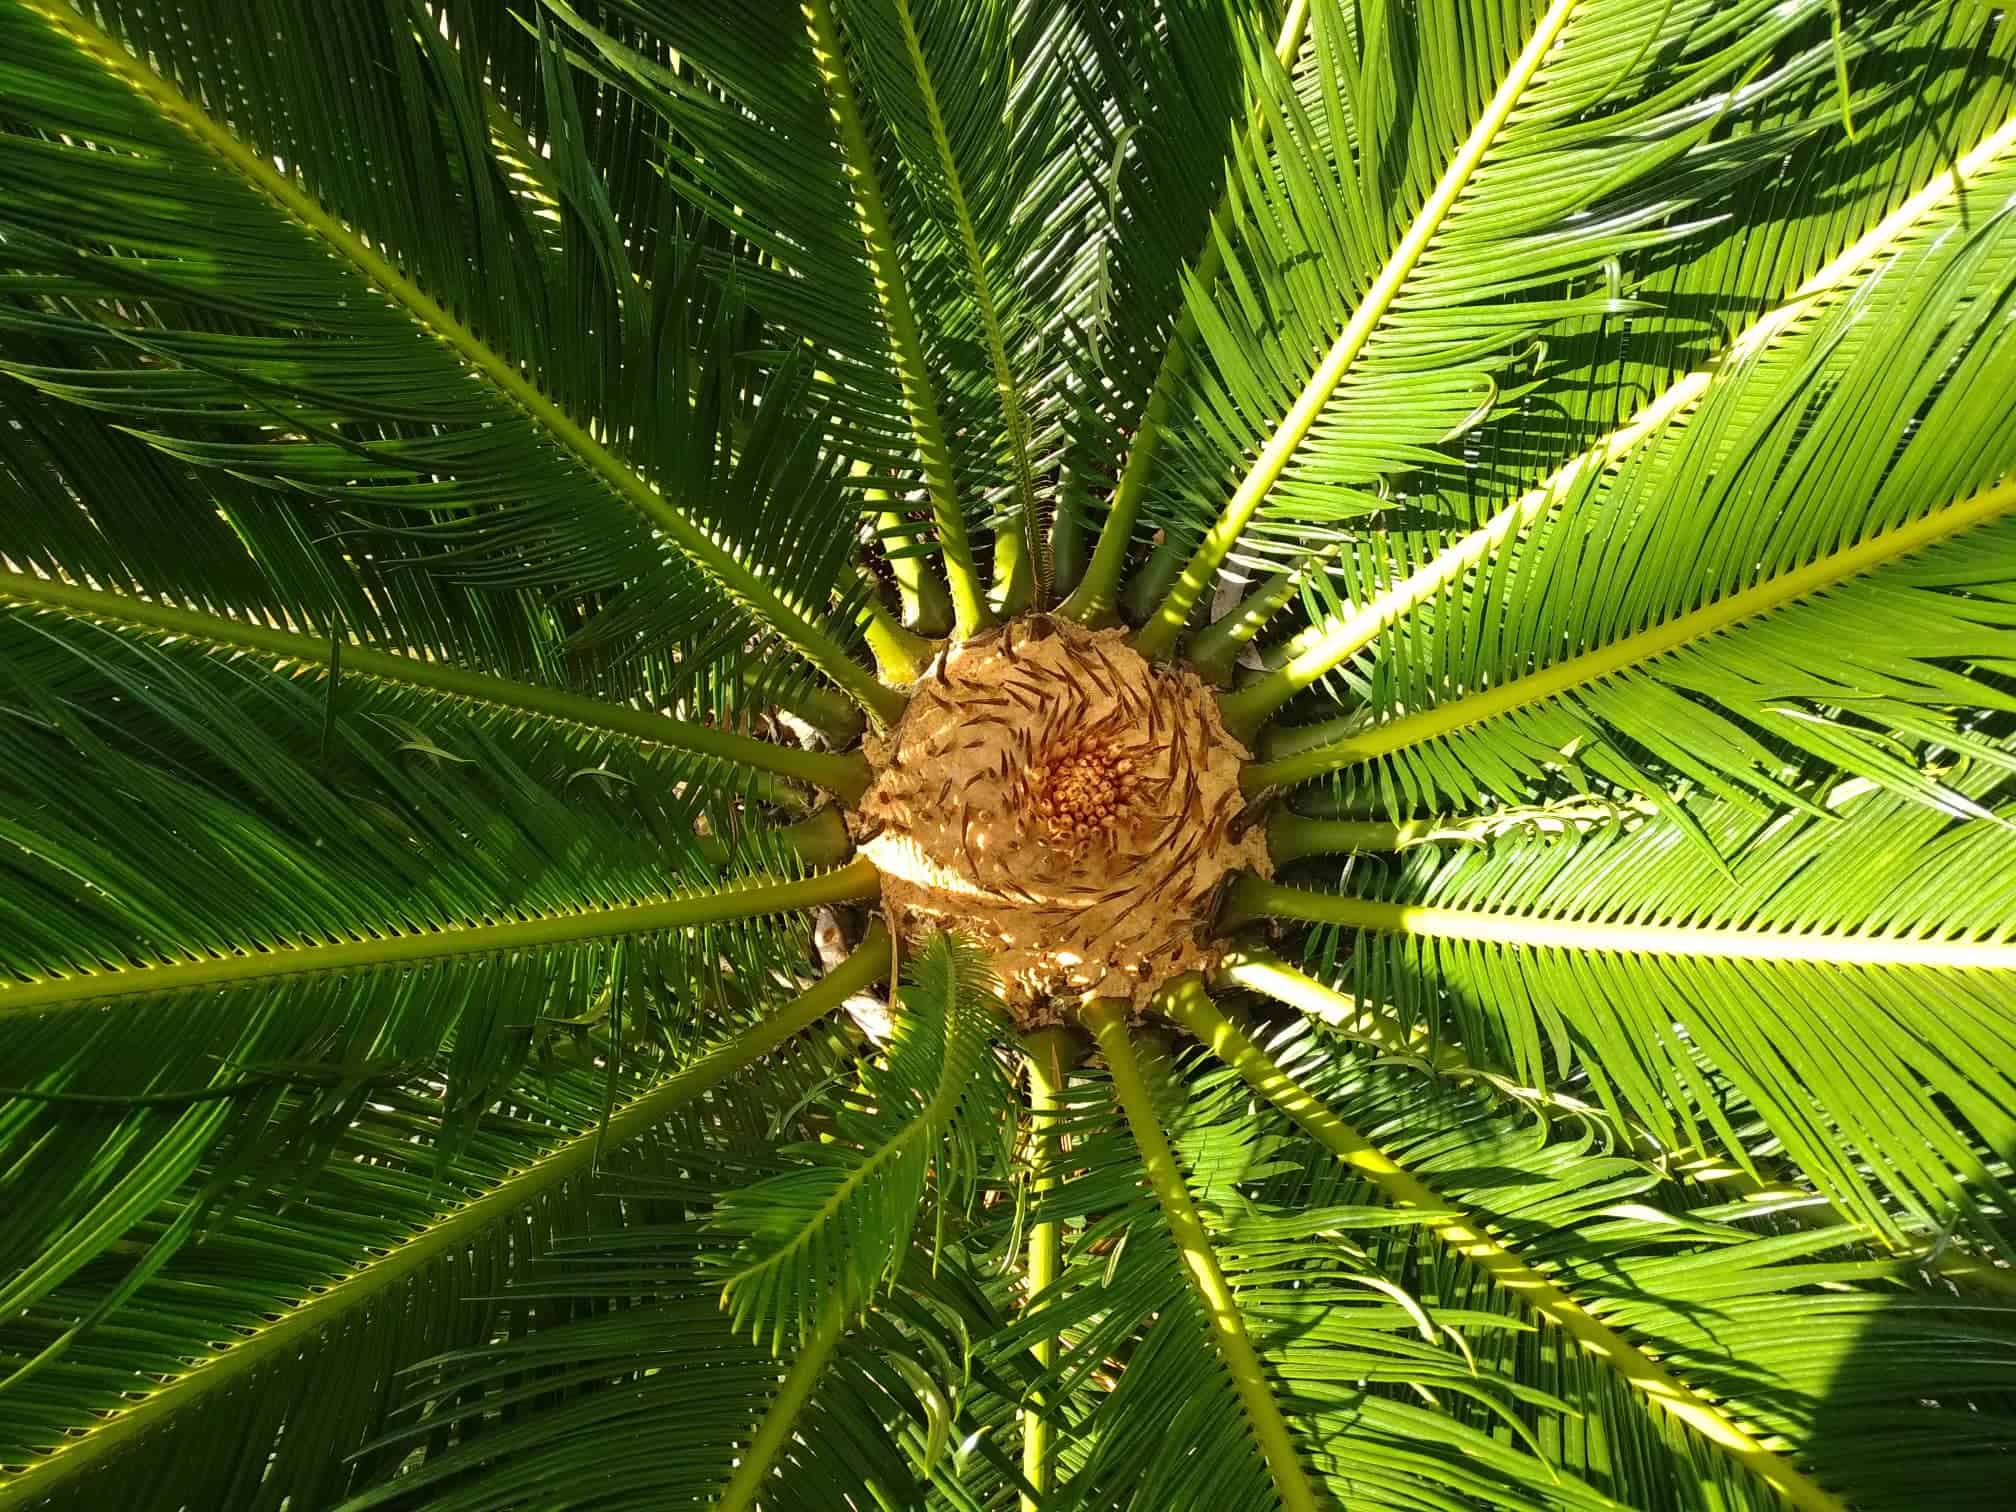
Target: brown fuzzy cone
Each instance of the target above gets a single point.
(1066, 802)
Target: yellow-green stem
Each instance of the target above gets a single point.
(822, 706)
(1292, 836)
(1092, 601)
(844, 774)
(1107, 1019)
(779, 1422)
(819, 839)
(1251, 899)
(1214, 649)
(899, 655)
(1050, 1054)
(1466, 1237)
(742, 899)
(906, 340)
(1635, 650)
(1158, 637)
(927, 607)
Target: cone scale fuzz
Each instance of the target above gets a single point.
(1073, 805)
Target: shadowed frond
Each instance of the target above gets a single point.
(326, 343)
(1168, 1430)
(1671, 1273)
(825, 1235)
(298, 902)
(311, 1329)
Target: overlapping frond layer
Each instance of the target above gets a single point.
(1396, 257)
(738, 762)
(1334, 1332)
(643, 1388)
(1467, 1237)
(943, 76)
(829, 1232)
(1805, 1339)
(296, 904)
(665, 1400)
(1154, 93)
(256, 283)
(1925, 83)
(1936, 133)
(1848, 973)
(752, 146)
(1231, 1340)
(211, 541)
(396, 1250)
(1682, 614)
(771, 137)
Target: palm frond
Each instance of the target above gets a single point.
(406, 383)
(942, 74)
(1871, 928)
(389, 1256)
(1328, 1327)
(302, 902)
(826, 1234)
(1902, 186)
(1457, 259)
(1600, 1226)
(1775, 590)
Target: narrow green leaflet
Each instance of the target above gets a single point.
(829, 1231)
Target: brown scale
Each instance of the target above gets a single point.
(1067, 804)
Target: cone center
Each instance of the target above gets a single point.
(1073, 806)
(1081, 787)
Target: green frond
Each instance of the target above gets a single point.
(942, 75)
(1906, 465)
(1095, 598)
(1466, 1235)
(1339, 1342)
(385, 1261)
(307, 904)
(342, 368)
(827, 1233)
(899, 315)
(1154, 95)
(1876, 932)
(1107, 1019)
(334, 658)
(1335, 638)
(653, 1401)
(1803, 1312)
(1466, 228)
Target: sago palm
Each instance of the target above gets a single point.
(1396, 617)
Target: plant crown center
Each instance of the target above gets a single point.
(1081, 788)
(1072, 805)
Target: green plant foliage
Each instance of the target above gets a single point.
(475, 480)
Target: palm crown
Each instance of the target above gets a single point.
(482, 488)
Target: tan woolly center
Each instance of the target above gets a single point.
(1070, 804)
